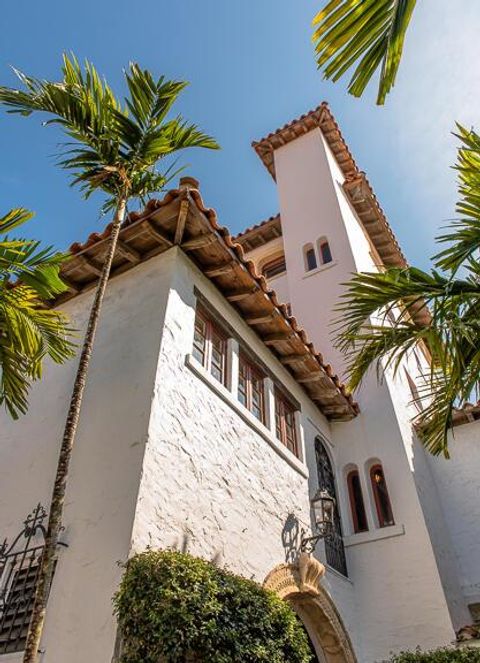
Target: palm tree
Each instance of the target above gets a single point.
(368, 33)
(112, 148)
(29, 331)
(451, 294)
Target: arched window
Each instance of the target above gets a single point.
(274, 267)
(359, 516)
(309, 257)
(380, 495)
(334, 549)
(324, 251)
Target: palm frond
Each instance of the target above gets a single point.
(464, 234)
(29, 331)
(367, 33)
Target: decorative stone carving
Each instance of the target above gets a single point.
(299, 584)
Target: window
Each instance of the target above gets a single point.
(210, 346)
(285, 422)
(334, 549)
(357, 506)
(309, 257)
(324, 251)
(380, 495)
(274, 267)
(251, 389)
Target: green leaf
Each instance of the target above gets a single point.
(367, 33)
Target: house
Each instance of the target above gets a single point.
(213, 415)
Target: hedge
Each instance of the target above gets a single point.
(446, 655)
(173, 607)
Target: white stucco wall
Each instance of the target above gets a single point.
(106, 463)
(458, 490)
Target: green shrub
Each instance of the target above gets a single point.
(447, 655)
(173, 607)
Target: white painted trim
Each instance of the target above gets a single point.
(374, 535)
(245, 414)
(322, 268)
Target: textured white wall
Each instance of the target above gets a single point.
(458, 489)
(106, 464)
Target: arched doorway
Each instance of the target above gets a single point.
(298, 584)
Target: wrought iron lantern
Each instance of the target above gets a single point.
(323, 506)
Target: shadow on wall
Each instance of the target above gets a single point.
(291, 536)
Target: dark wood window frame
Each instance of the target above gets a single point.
(251, 387)
(325, 251)
(381, 497)
(274, 267)
(310, 258)
(285, 424)
(210, 346)
(357, 504)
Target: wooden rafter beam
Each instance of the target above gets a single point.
(278, 337)
(182, 219)
(259, 320)
(128, 252)
(199, 242)
(153, 231)
(89, 264)
(294, 359)
(242, 293)
(219, 270)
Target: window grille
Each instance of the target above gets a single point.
(19, 568)
(334, 549)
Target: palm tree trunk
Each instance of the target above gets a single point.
(58, 495)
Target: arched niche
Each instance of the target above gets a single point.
(299, 584)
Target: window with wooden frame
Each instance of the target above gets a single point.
(210, 346)
(251, 391)
(274, 267)
(380, 495)
(324, 251)
(357, 505)
(285, 422)
(309, 257)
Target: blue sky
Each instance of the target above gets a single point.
(251, 69)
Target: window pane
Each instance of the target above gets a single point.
(382, 500)
(242, 383)
(356, 502)
(311, 259)
(290, 441)
(217, 368)
(257, 396)
(200, 340)
(278, 416)
(325, 253)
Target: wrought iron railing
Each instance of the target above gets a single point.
(19, 567)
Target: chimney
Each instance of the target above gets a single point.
(189, 183)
